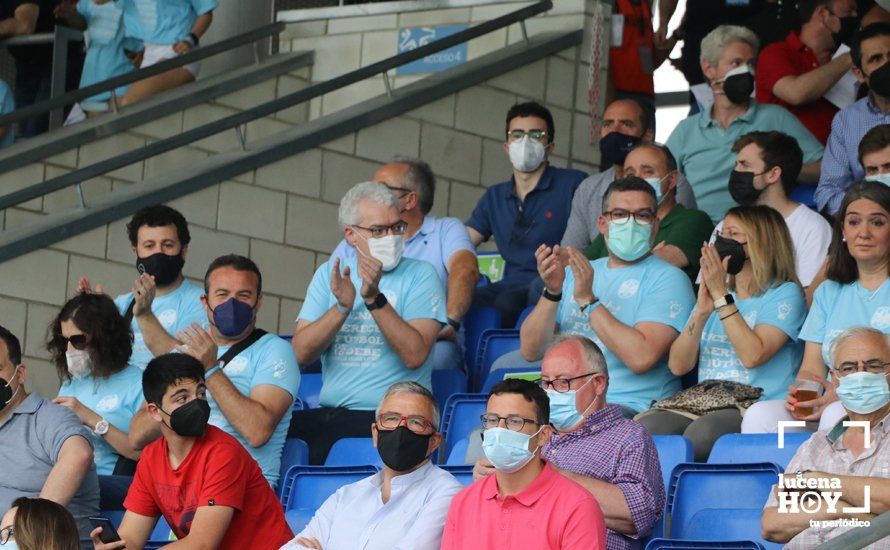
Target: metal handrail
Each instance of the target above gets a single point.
(860, 537)
(113, 83)
(238, 119)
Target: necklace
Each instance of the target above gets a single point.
(869, 295)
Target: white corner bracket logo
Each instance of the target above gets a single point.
(847, 424)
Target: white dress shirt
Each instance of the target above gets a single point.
(355, 517)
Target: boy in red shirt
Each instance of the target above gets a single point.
(205, 484)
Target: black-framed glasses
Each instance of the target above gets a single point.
(874, 366)
(513, 422)
(414, 422)
(78, 341)
(560, 385)
(5, 534)
(516, 135)
(403, 190)
(378, 231)
(621, 216)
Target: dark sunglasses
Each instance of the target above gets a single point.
(78, 341)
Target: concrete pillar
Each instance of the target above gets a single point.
(234, 17)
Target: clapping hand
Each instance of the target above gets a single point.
(551, 267)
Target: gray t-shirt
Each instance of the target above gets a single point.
(587, 205)
(30, 440)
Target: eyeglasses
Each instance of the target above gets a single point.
(621, 216)
(560, 385)
(514, 422)
(78, 341)
(378, 231)
(516, 135)
(414, 422)
(5, 534)
(874, 366)
(401, 190)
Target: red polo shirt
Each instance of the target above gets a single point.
(791, 57)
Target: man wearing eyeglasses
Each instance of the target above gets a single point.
(371, 319)
(405, 504)
(530, 208)
(441, 241)
(855, 456)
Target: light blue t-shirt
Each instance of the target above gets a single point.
(837, 307)
(116, 398)
(783, 307)
(270, 360)
(651, 291)
(107, 39)
(359, 366)
(7, 105)
(164, 22)
(175, 311)
(435, 242)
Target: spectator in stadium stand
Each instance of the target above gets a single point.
(526, 503)
(632, 304)
(681, 230)
(797, 72)
(39, 524)
(874, 154)
(47, 451)
(441, 241)
(592, 444)
(201, 479)
(405, 504)
(252, 376)
(855, 457)
(168, 28)
(90, 344)
(530, 208)
(856, 293)
(625, 125)
(744, 331)
(702, 143)
(7, 105)
(870, 51)
(372, 320)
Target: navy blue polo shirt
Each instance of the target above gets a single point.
(519, 228)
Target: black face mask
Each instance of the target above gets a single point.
(615, 147)
(736, 252)
(163, 267)
(401, 449)
(849, 26)
(190, 420)
(879, 80)
(741, 187)
(6, 393)
(738, 87)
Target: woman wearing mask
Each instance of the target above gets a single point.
(38, 524)
(856, 293)
(745, 324)
(90, 343)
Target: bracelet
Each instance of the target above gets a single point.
(454, 324)
(194, 38)
(552, 297)
(343, 310)
(592, 305)
(212, 371)
(730, 315)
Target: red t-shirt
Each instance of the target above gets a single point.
(218, 471)
(791, 57)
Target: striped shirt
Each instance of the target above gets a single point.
(840, 165)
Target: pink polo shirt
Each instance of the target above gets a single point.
(553, 512)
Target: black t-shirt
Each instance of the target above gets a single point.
(42, 54)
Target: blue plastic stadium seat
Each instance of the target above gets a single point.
(298, 404)
(305, 488)
(720, 501)
(738, 448)
(804, 194)
(493, 344)
(446, 383)
(476, 320)
(665, 544)
(353, 451)
(458, 454)
(310, 388)
(522, 316)
(294, 453)
(462, 472)
(672, 450)
(114, 516)
(496, 376)
(460, 416)
(162, 532)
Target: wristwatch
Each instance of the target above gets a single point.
(552, 297)
(379, 302)
(101, 427)
(727, 300)
(454, 324)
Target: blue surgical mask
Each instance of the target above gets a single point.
(656, 185)
(10, 545)
(563, 413)
(881, 178)
(863, 392)
(628, 240)
(232, 317)
(507, 450)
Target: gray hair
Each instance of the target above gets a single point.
(715, 42)
(591, 354)
(373, 191)
(417, 389)
(854, 333)
(419, 178)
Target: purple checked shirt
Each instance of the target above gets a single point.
(619, 451)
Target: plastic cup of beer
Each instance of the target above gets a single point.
(807, 390)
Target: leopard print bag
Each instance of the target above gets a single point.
(709, 396)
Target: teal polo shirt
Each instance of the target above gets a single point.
(703, 149)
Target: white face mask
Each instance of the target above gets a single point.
(387, 250)
(79, 362)
(526, 154)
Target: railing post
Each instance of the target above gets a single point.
(80, 198)
(524, 30)
(241, 140)
(386, 83)
(59, 70)
(114, 108)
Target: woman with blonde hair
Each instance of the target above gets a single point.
(744, 328)
(38, 524)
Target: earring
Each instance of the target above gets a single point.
(843, 239)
